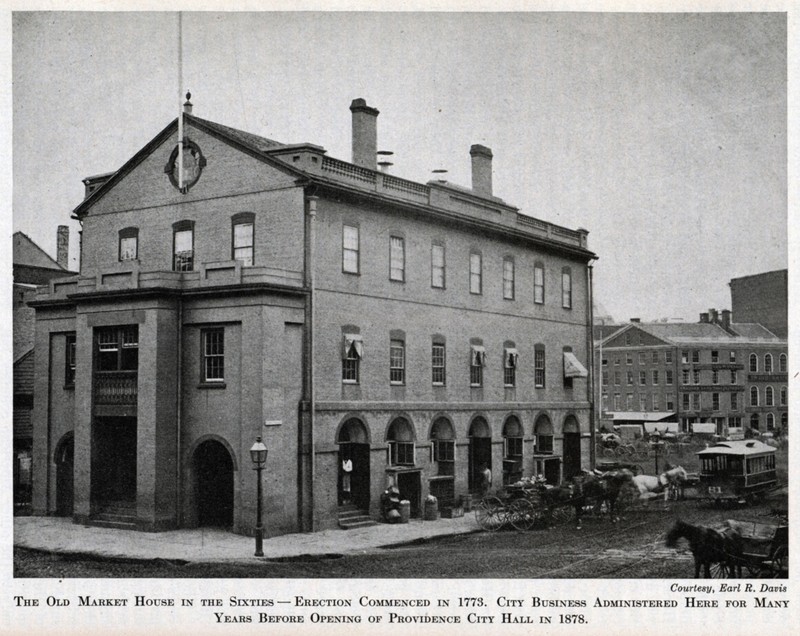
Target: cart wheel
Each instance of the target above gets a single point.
(562, 514)
(780, 562)
(754, 571)
(490, 514)
(522, 514)
(720, 571)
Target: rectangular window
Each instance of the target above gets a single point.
(350, 249)
(475, 274)
(604, 402)
(129, 244)
(670, 402)
(616, 362)
(733, 356)
(477, 360)
(715, 377)
(508, 278)
(351, 358)
(617, 378)
(437, 266)
(655, 376)
(695, 376)
(714, 356)
(695, 401)
(655, 402)
(629, 402)
(538, 367)
(243, 243)
(734, 401)
(654, 358)
(117, 348)
(397, 258)
(642, 357)
(566, 290)
(715, 401)
(538, 284)
(630, 378)
(617, 401)
(438, 364)
(685, 401)
(668, 377)
(695, 356)
(397, 362)
(213, 355)
(685, 376)
(184, 250)
(510, 358)
(668, 356)
(401, 453)
(628, 358)
(604, 378)
(444, 455)
(69, 360)
(685, 357)
(642, 402)
(642, 378)
(733, 376)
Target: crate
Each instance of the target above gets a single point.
(452, 513)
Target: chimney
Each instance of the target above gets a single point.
(62, 246)
(481, 169)
(713, 316)
(726, 319)
(365, 134)
(636, 320)
(187, 105)
(704, 317)
(384, 164)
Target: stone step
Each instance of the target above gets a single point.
(359, 522)
(120, 522)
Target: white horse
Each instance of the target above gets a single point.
(651, 486)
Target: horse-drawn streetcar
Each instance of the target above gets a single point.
(736, 471)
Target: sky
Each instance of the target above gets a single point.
(664, 135)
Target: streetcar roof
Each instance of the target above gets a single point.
(743, 447)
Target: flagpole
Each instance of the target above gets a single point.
(180, 98)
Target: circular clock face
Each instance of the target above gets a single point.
(193, 164)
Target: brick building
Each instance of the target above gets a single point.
(763, 299)
(732, 374)
(410, 332)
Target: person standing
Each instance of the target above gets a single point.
(486, 480)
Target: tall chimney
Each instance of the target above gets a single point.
(726, 319)
(704, 317)
(481, 169)
(365, 134)
(713, 316)
(62, 246)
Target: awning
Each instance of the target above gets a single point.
(478, 358)
(353, 345)
(511, 356)
(573, 368)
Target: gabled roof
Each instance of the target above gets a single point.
(753, 330)
(28, 253)
(253, 144)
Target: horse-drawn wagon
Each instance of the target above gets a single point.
(764, 548)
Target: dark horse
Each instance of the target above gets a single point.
(587, 489)
(709, 546)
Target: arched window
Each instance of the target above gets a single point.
(543, 432)
(783, 396)
(512, 450)
(401, 442)
(754, 424)
(443, 440)
(753, 363)
(768, 363)
(770, 421)
(754, 396)
(782, 363)
(242, 237)
(769, 396)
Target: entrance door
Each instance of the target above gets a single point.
(114, 462)
(411, 489)
(572, 448)
(357, 491)
(213, 469)
(480, 453)
(65, 463)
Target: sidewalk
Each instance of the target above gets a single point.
(59, 534)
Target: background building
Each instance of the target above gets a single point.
(762, 299)
(373, 330)
(32, 266)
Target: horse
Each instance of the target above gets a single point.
(586, 487)
(650, 486)
(709, 546)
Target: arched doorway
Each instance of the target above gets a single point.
(545, 463)
(572, 447)
(65, 464)
(512, 450)
(353, 484)
(480, 452)
(213, 470)
(402, 462)
(442, 481)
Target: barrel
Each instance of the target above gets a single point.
(431, 509)
(405, 511)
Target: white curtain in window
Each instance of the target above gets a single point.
(511, 356)
(353, 344)
(478, 358)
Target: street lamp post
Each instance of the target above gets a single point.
(258, 453)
